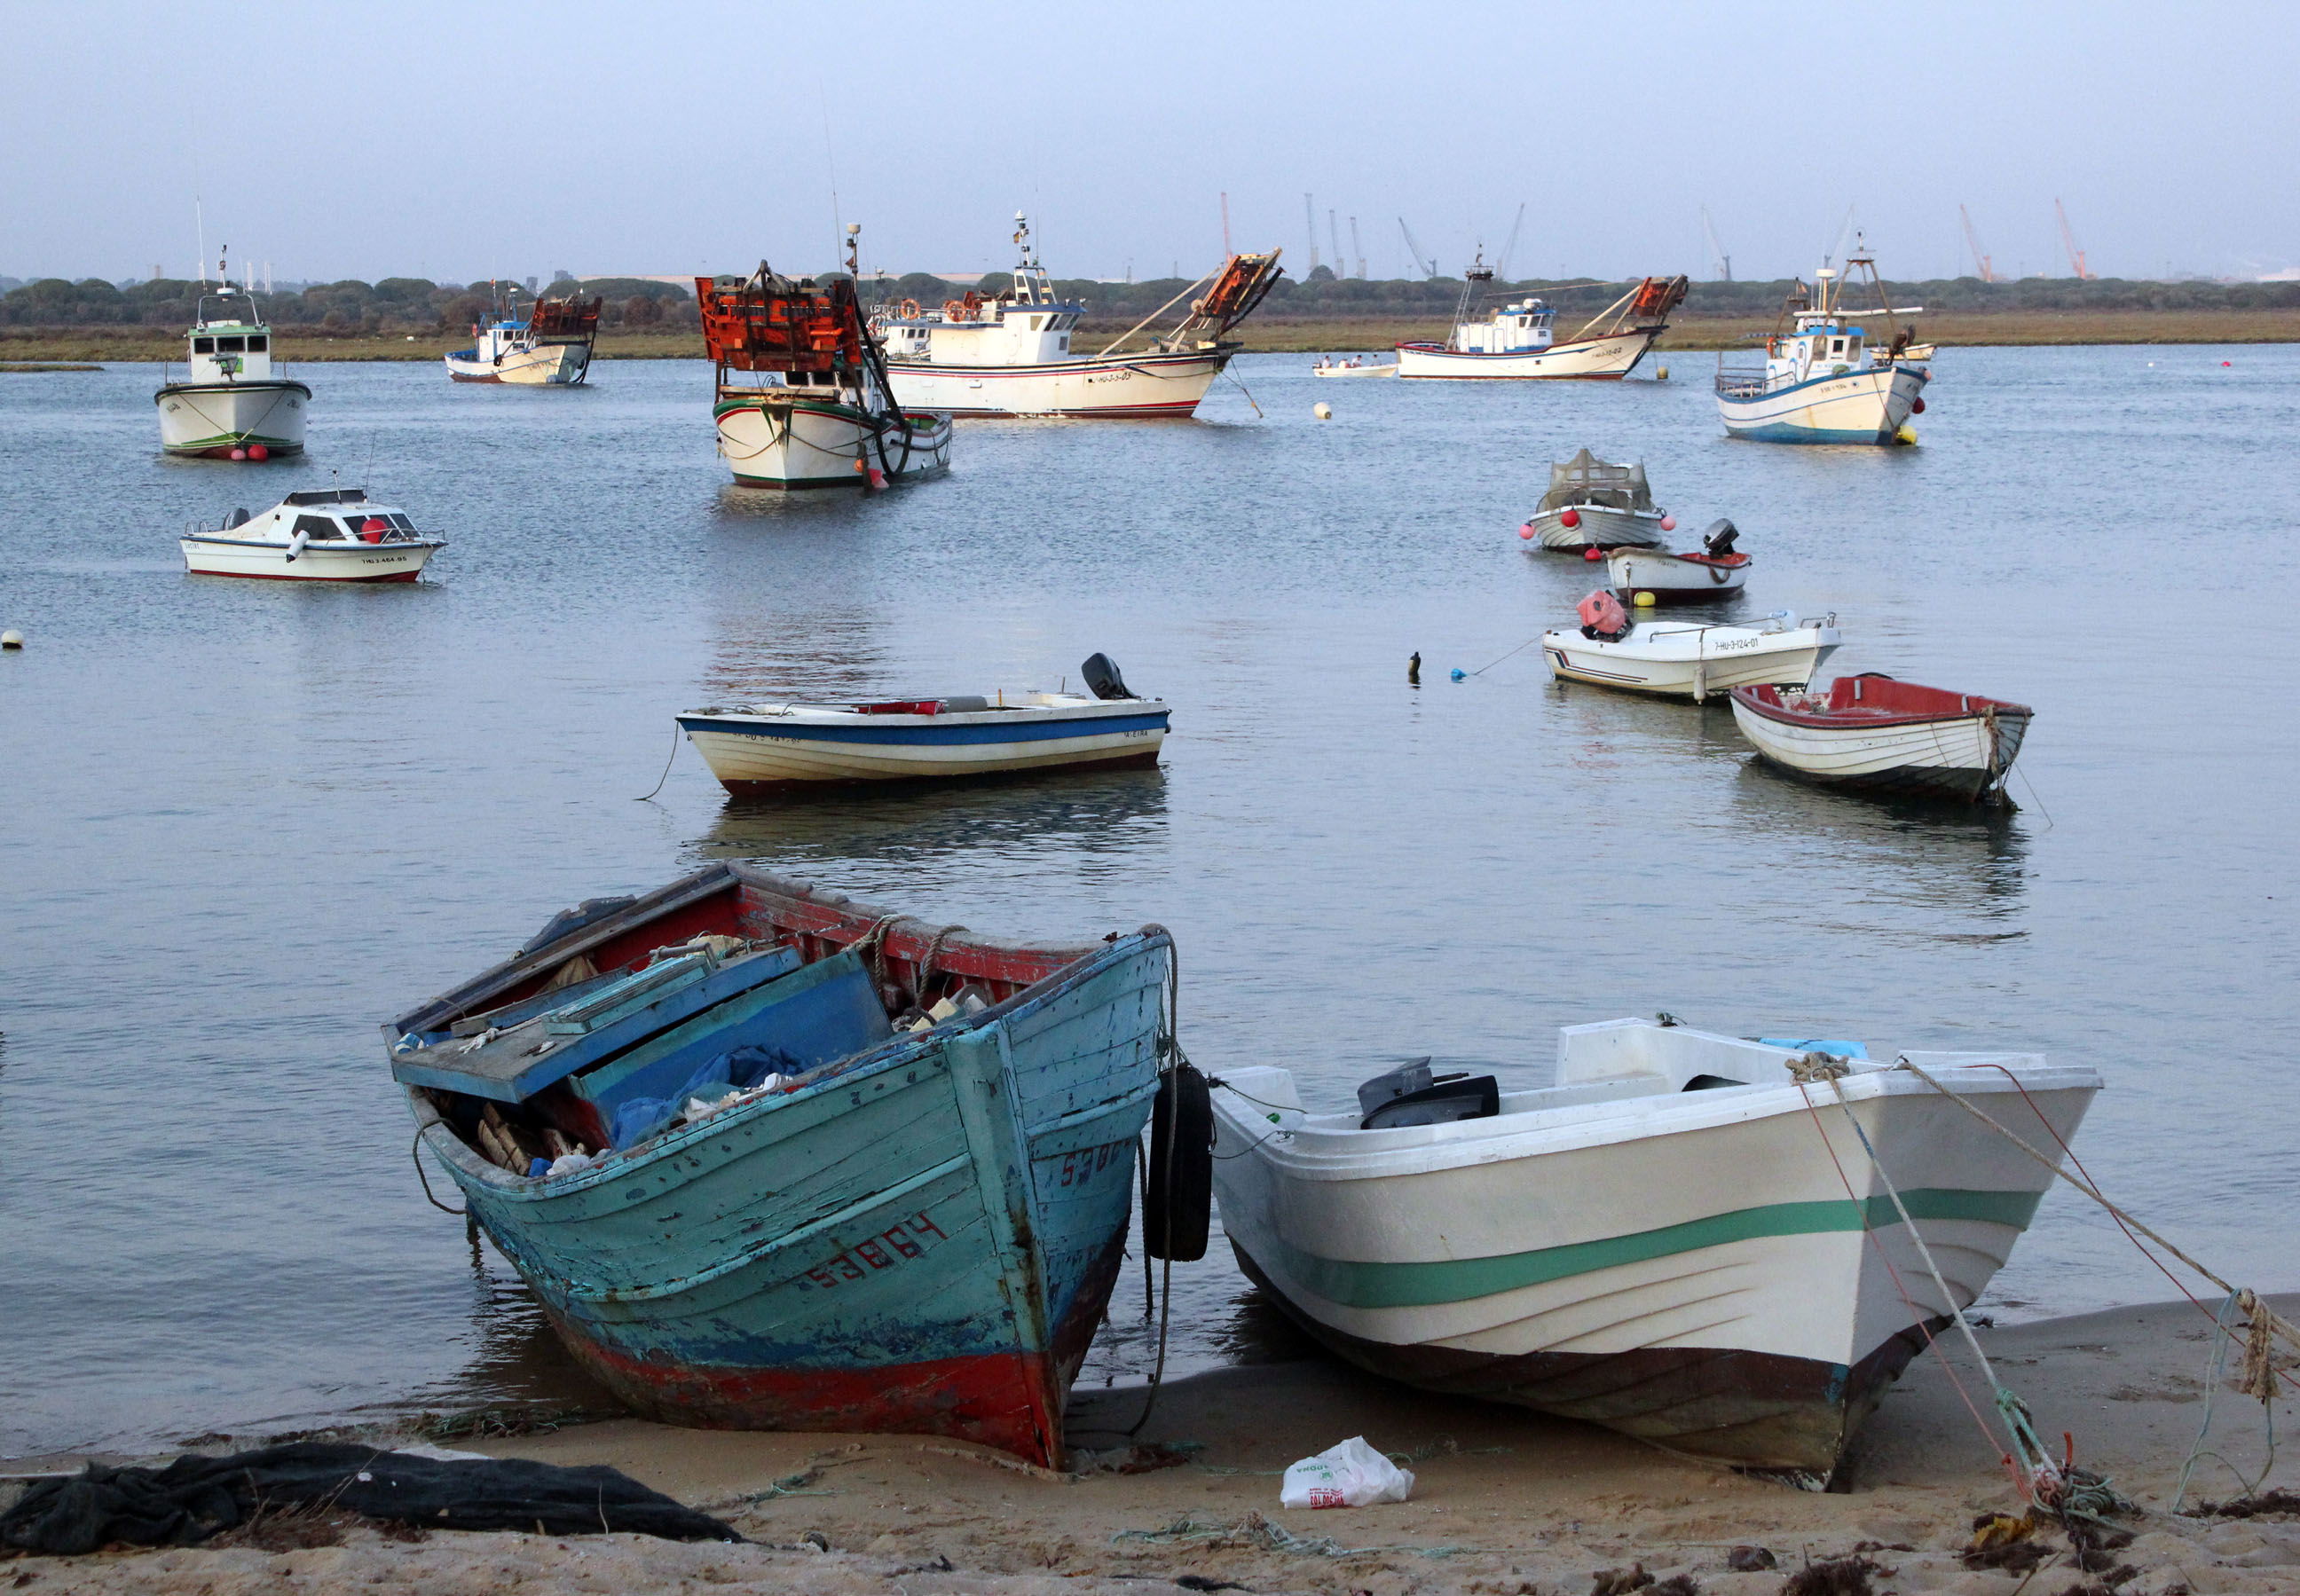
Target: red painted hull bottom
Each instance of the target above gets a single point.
(223, 452)
(768, 789)
(1010, 1401)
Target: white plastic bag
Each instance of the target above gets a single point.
(1351, 1475)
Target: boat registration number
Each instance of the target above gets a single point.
(897, 1245)
(1738, 643)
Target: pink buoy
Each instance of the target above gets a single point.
(1669, 523)
(1569, 519)
(258, 452)
(1593, 554)
(1526, 530)
(239, 455)
(2228, 362)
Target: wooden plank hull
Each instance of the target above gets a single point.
(1964, 758)
(922, 1239)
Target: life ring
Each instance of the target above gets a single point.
(908, 309)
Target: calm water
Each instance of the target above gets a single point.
(244, 821)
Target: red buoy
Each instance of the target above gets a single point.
(1526, 530)
(1569, 519)
(258, 452)
(877, 479)
(1593, 554)
(1917, 408)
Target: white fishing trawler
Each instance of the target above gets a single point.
(550, 347)
(1520, 338)
(320, 534)
(1821, 380)
(1011, 356)
(817, 409)
(232, 405)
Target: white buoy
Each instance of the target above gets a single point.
(12, 638)
(1322, 411)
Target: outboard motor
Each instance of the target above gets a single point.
(1720, 538)
(237, 518)
(1603, 618)
(1414, 1096)
(1102, 677)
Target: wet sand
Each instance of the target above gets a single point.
(1504, 1501)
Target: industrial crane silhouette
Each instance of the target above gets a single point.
(1972, 242)
(2069, 242)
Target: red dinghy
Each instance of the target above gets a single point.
(1870, 731)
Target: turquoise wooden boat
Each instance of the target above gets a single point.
(772, 1159)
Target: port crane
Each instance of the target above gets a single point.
(1426, 264)
(1723, 262)
(2085, 273)
(1310, 220)
(1357, 250)
(1334, 233)
(1972, 242)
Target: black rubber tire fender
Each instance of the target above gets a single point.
(1178, 1210)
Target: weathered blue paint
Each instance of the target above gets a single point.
(922, 1236)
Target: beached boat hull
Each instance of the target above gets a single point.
(1965, 758)
(549, 365)
(1597, 527)
(753, 755)
(1717, 1289)
(1707, 668)
(212, 419)
(1120, 387)
(1859, 407)
(799, 443)
(923, 1239)
(1605, 359)
(318, 562)
(1675, 578)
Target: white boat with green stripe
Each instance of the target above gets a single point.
(1703, 1241)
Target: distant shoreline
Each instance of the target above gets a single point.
(1274, 335)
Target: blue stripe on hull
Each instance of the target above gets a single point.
(1032, 730)
(1782, 432)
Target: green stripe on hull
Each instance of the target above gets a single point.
(1420, 1284)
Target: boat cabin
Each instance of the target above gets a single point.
(1520, 328)
(319, 515)
(1028, 324)
(227, 348)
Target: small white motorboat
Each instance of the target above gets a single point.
(1518, 340)
(324, 535)
(1871, 732)
(233, 403)
(1595, 504)
(1654, 576)
(773, 747)
(1684, 1237)
(1355, 366)
(1687, 658)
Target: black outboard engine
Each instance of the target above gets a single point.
(1414, 1096)
(237, 518)
(1102, 677)
(1720, 538)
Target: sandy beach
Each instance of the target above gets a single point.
(1504, 1501)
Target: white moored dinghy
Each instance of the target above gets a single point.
(1687, 658)
(774, 747)
(1871, 732)
(1655, 577)
(1686, 1238)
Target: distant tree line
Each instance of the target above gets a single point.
(415, 304)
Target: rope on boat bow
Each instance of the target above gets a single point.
(416, 1153)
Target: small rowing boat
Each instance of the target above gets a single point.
(772, 747)
(771, 1158)
(319, 534)
(1655, 577)
(1687, 658)
(1594, 503)
(1702, 1241)
(1353, 367)
(1872, 732)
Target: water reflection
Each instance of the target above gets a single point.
(1075, 813)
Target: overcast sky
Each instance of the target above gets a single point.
(468, 140)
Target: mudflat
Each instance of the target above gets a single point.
(1504, 1501)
